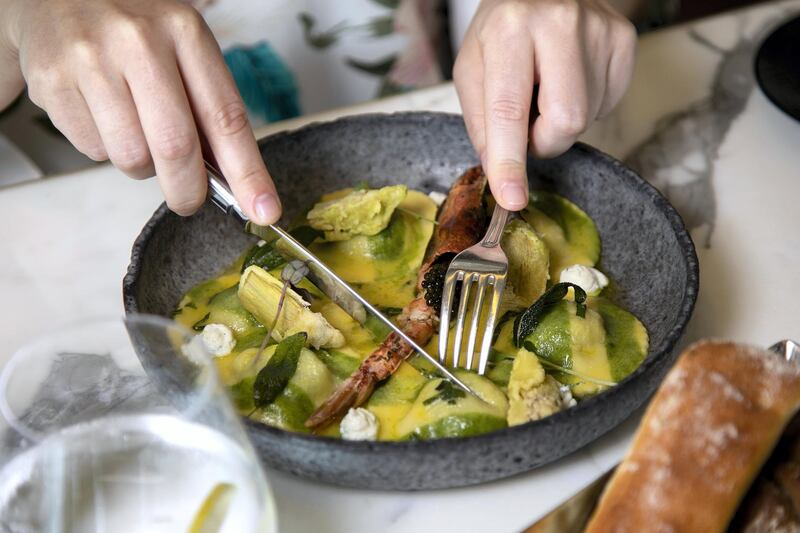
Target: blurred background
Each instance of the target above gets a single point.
(293, 57)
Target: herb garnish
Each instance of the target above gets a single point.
(527, 321)
(447, 393)
(178, 310)
(508, 315)
(267, 256)
(200, 324)
(273, 378)
(390, 311)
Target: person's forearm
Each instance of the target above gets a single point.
(11, 80)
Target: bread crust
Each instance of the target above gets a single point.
(703, 439)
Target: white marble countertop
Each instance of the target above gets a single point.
(693, 122)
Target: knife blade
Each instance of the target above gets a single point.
(572, 515)
(325, 279)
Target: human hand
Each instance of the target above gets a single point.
(141, 82)
(579, 53)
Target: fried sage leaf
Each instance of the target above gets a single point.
(267, 256)
(528, 320)
(274, 377)
(447, 392)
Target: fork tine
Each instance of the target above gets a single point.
(444, 316)
(483, 282)
(486, 343)
(461, 317)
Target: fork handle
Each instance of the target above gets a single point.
(495, 231)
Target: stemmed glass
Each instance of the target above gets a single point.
(123, 425)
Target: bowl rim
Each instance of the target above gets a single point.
(655, 358)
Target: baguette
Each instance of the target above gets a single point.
(703, 439)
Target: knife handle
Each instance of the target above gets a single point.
(219, 192)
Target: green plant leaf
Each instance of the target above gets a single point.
(321, 40)
(280, 368)
(377, 68)
(529, 319)
(380, 27)
(392, 4)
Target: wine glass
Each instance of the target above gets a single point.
(122, 424)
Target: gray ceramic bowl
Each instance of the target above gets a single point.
(646, 249)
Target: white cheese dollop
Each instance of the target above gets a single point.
(589, 279)
(437, 197)
(566, 396)
(218, 339)
(359, 424)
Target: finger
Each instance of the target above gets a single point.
(564, 102)
(620, 66)
(169, 128)
(508, 87)
(468, 80)
(111, 104)
(69, 113)
(222, 117)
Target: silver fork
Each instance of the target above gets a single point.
(483, 264)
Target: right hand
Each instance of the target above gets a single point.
(139, 82)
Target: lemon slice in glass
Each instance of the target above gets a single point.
(212, 512)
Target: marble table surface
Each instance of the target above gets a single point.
(693, 122)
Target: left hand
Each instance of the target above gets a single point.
(580, 53)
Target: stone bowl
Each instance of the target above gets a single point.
(645, 249)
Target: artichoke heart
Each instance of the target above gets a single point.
(362, 212)
(532, 394)
(260, 293)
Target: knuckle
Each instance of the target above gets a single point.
(174, 144)
(184, 18)
(570, 120)
(86, 53)
(567, 13)
(131, 157)
(507, 110)
(508, 19)
(136, 31)
(508, 15)
(231, 119)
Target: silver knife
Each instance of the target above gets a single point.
(573, 515)
(338, 290)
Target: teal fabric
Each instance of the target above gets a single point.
(267, 85)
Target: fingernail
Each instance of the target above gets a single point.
(514, 195)
(267, 208)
